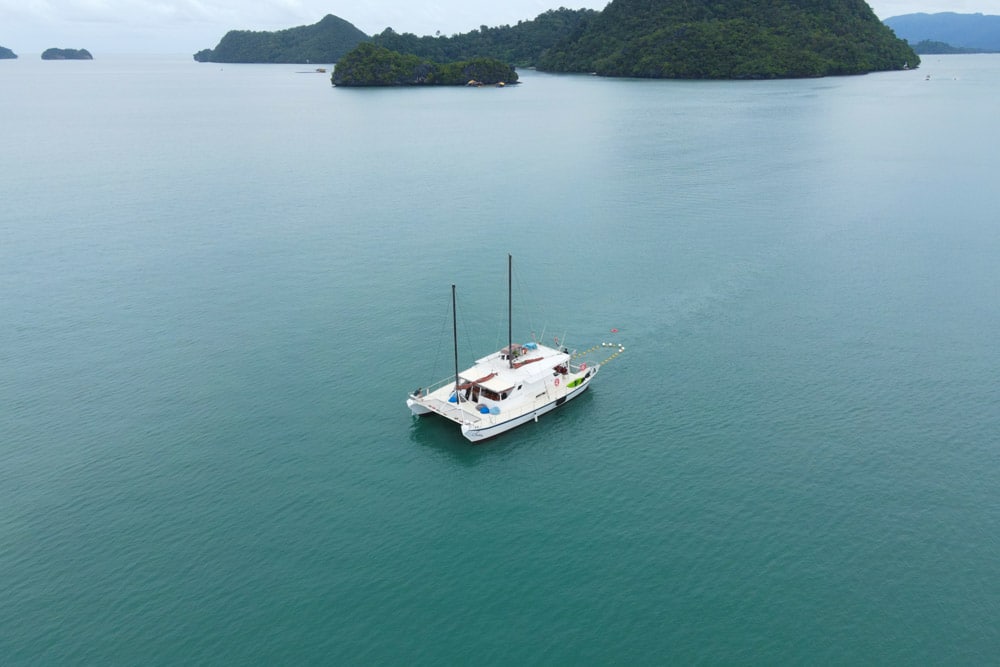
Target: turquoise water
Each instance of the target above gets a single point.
(218, 285)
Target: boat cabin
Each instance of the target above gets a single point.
(490, 387)
(501, 375)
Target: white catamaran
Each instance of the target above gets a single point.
(509, 387)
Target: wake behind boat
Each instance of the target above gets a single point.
(507, 388)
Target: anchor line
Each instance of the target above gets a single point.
(621, 348)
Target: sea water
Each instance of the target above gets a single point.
(218, 283)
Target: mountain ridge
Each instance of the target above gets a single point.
(963, 31)
(323, 42)
(697, 39)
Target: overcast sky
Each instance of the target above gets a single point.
(186, 26)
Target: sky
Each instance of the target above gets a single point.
(187, 26)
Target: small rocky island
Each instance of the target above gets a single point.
(66, 54)
(6, 54)
(371, 65)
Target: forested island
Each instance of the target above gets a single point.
(66, 54)
(323, 42)
(930, 47)
(731, 39)
(521, 45)
(6, 54)
(726, 39)
(372, 65)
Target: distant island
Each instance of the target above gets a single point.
(929, 47)
(372, 65)
(323, 42)
(731, 39)
(6, 54)
(66, 54)
(964, 33)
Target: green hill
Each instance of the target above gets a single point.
(323, 42)
(66, 54)
(930, 47)
(731, 39)
(695, 39)
(521, 45)
(372, 65)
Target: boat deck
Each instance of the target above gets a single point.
(460, 413)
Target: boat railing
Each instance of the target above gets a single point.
(424, 391)
(580, 367)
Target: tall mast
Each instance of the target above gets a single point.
(454, 335)
(510, 337)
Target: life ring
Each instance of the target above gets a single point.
(557, 382)
(583, 366)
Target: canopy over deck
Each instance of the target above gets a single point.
(494, 372)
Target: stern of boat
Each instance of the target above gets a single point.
(416, 406)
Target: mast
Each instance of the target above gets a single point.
(510, 337)
(454, 335)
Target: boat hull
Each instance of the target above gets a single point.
(417, 408)
(475, 433)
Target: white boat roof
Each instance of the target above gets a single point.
(495, 374)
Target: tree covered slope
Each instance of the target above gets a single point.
(731, 39)
(372, 65)
(521, 44)
(323, 42)
(717, 39)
